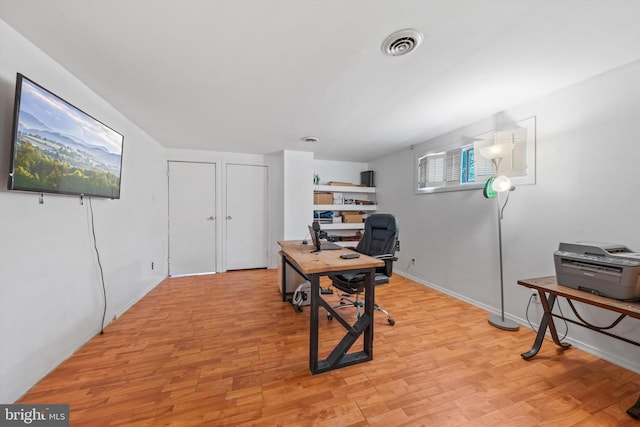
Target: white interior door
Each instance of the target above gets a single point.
(192, 218)
(246, 216)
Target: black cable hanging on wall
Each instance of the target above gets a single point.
(95, 247)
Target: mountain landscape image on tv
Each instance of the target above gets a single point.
(58, 148)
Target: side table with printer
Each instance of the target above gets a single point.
(602, 275)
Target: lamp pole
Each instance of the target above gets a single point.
(499, 321)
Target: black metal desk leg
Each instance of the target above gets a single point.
(369, 303)
(313, 323)
(283, 284)
(542, 329)
(547, 321)
(548, 306)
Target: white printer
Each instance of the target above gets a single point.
(603, 269)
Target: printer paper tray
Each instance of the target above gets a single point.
(594, 271)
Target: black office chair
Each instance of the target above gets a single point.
(379, 241)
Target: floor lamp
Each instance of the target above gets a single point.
(492, 190)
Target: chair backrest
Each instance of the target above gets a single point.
(380, 235)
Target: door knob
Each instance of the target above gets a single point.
(211, 218)
(229, 217)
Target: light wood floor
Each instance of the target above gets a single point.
(224, 350)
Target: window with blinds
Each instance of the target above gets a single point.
(460, 168)
(431, 170)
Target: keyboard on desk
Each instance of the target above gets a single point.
(329, 246)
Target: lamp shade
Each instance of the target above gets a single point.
(501, 184)
(488, 191)
(496, 151)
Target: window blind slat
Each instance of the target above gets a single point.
(435, 169)
(453, 165)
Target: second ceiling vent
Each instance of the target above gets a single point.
(401, 42)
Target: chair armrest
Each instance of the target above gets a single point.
(386, 257)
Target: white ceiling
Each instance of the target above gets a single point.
(257, 76)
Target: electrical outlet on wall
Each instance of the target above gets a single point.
(534, 298)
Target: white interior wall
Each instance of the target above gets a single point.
(587, 155)
(50, 290)
(276, 206)
(330, 170)
(298, 194)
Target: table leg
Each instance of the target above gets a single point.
(634, 411)
(340, 356)
(548, 306)
(283, 283)
(369, 303)
(313, 323)
(547, 321)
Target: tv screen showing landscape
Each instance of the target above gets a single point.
(57, 148)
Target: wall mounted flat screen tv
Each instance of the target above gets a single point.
(58, 148)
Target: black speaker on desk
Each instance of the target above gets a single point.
(366, 179)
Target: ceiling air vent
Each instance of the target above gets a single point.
(401, 42)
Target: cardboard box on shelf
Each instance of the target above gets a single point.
(351, 217)
(322, 198)
(343, 184)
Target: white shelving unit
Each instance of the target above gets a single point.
(345, 207)
(344, 189)
(348, 191)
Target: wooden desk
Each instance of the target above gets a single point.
(313, 265)
(548, 286)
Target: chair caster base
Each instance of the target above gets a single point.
(389, 320)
